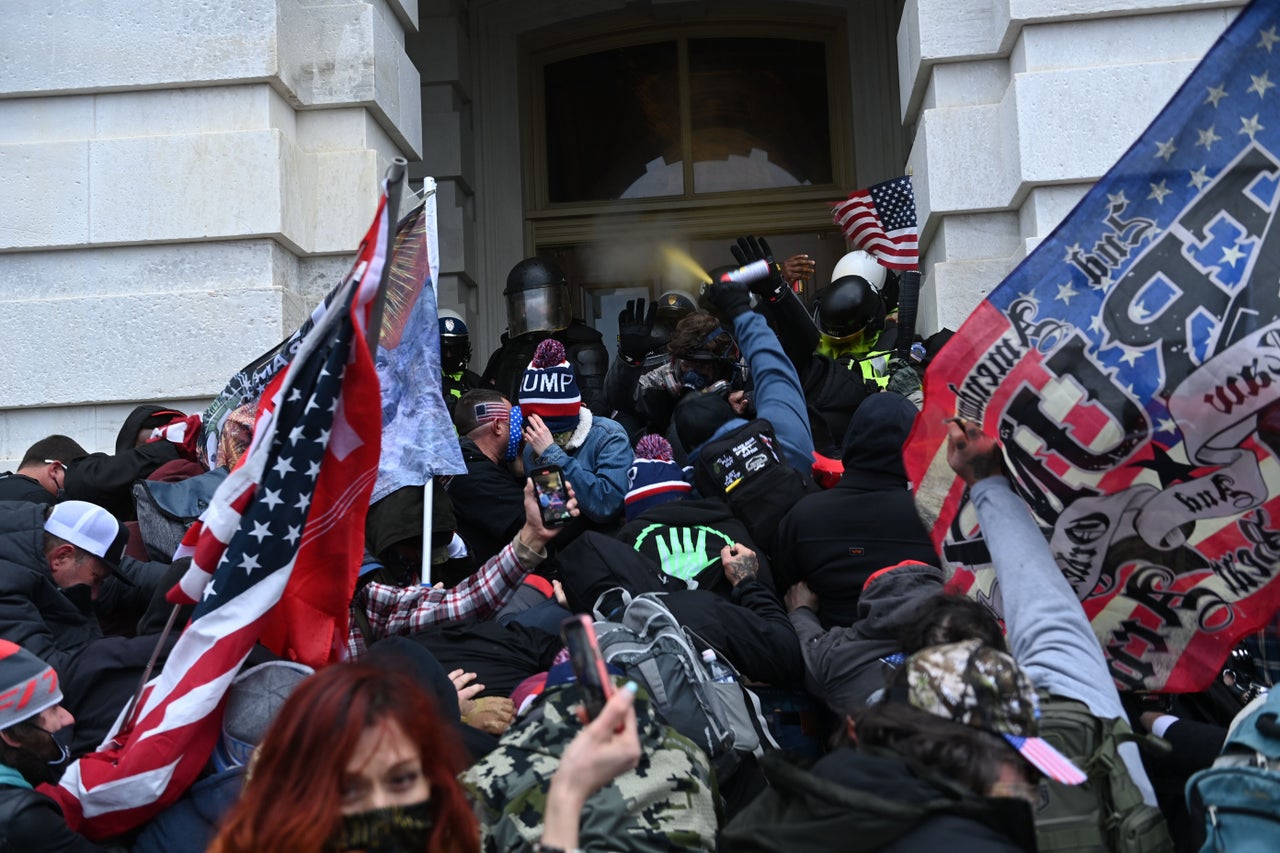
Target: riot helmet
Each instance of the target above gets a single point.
(455, 342)
(537, 298)
(849, 314)
(673, 306)
(861, 264)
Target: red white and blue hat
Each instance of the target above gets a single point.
(654, 478)
(982, 687)
(28, 685)
(549, 388)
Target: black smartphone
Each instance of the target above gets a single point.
(579, 635)
(552, 495)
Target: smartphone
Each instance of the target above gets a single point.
(553, 496)
(579, 635)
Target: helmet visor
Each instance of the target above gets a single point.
(543, 309)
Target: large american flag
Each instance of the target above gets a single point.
(289, 517)
(881, 220)
(1130, 367)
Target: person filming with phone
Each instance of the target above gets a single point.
(592, 451)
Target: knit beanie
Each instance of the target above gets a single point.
(253, 700)
(30, 684)
(654, 477)
(549, 388)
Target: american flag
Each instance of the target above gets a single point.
(290, 516)
(1129, 367)
(881, 220)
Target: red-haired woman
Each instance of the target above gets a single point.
(357, 759)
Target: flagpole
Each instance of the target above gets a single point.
(395, 188)
(146, 673)
(428, 498)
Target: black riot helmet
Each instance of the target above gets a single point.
(455, 342)
(849, 308)
(537, 298)
(673, 306)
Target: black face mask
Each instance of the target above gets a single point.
(397, 829)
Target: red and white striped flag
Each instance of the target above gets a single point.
(290, 515)
(881, 220)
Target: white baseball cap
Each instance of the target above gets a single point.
(90, 527)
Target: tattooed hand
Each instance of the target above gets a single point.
(972, 453)
(739, 563)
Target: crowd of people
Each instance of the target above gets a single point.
(737, 468)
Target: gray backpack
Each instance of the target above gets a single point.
(655, 650)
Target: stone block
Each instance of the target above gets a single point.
(1187, 34)
(443, 149)
(46, 194)
(180, 112)
(441, 51)
(963, 84)
(977, 236)
(87, 45)
(94, 427)
(1045, 207)
(44, 120)
(958, 287)
(1082, 138)
(136, 346)
(198, 186)
(406, 12)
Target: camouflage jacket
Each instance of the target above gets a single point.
(668, 802)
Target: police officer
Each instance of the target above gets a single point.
(455, 357)
(539, 307)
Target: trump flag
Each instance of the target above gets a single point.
(1130, 367)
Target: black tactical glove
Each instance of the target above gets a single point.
(635, 331)
(749, 249)
(904, 378)
(731, 298)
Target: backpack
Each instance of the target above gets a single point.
(165, 510)
(1237, 800)
(1106, 813)
(743, 468)
(655, 650)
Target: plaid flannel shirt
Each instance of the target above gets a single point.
(395, 610)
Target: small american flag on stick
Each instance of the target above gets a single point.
(881, 220)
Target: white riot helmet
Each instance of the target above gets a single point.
(861, 264)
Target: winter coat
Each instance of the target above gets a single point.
(20, 487)
(30, 822)
(836, 539)
(488, 503)
(595, 464)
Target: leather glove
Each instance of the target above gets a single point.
(635, 331)
(904, 379)
(731, 298)
(749, 249)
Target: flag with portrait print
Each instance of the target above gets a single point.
(1130, 367)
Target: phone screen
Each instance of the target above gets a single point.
(553, 497)
(579, 636)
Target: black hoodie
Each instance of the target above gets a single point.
(835, 540)
(108, 480)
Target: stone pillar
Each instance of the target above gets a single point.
(182, 182)
(1018, 107)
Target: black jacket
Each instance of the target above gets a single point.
(583, 347)
(682, 536)
(750, 629)
(20, 487)
(835, 540)
(30, 822)
(856, 801)
(488, 503)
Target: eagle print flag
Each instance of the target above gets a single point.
(1130, 367)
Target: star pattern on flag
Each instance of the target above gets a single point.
(1261, 83)
(1207, 137)
(882, 220)
(1216, 93)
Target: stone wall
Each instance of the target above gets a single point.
(182, 182)
(1017, 107)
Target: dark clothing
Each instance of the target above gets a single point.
(454, 385)
(501, 655)
(750, 629)
(488, 503)
(857, 801)
(108, 480)
(583, 347)
(59, 626)
(20, 487)
(835, 540)
(684, 537)
(845, 666)
(30, 822)
(192, 822)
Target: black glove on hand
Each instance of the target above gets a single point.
(903, 376)
(731, 297)
(749, 249)
(635, 331)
